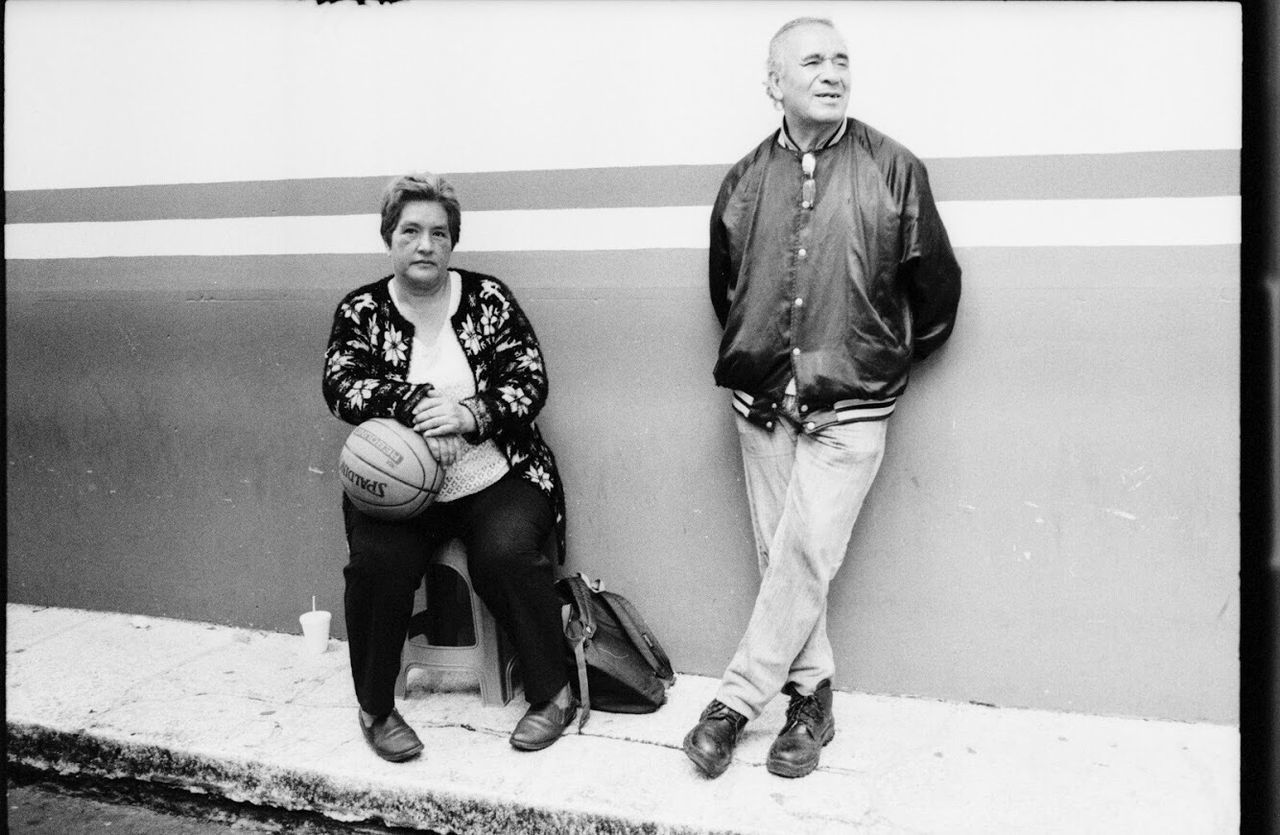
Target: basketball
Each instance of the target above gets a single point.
(387, 471)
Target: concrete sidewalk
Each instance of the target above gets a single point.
(248, 715)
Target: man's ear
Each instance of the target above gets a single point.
(772, 88)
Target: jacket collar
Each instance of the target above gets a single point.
(785, 140)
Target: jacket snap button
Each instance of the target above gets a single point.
(802, 253)
(809, 426)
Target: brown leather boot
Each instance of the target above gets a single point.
(710, 744)
(810, 726)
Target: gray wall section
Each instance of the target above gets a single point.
(1053, 176)
(1055, 524)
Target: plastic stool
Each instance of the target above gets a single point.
(491, 658)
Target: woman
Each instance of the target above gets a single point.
(449, 353)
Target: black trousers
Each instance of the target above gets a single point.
(503, 528)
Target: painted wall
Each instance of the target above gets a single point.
(193, 186)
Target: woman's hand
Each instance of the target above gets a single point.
(436, 417)
(446, 448)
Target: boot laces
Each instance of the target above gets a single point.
(804, 710)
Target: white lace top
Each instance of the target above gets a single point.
(442, 363)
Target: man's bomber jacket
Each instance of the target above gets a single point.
(830, 300)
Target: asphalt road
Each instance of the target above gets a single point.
(41, 804)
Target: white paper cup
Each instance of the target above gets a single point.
(315, 630)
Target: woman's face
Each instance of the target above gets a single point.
(420, 244)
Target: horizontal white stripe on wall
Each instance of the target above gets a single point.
(1200, 221)
(680, 227)
(1192, 221)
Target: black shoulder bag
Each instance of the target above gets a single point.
(621, 667)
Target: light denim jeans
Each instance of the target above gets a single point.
(805, 492)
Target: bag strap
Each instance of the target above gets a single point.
(641, 636)
(580, 589)
(579, 627)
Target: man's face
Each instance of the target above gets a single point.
(812, 81)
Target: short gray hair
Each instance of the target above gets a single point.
(773, 64)
(425, 186)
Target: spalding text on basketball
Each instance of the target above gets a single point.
(379, 444)
(377, 488)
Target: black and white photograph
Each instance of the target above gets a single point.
(639, 417)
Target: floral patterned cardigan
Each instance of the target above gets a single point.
(367, 362)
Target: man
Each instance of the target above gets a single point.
(830, 272)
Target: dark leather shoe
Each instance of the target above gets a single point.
(710, 744)
(810, 726)
(542, 724)
(391, 737)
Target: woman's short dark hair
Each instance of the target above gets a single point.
(420, 185)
